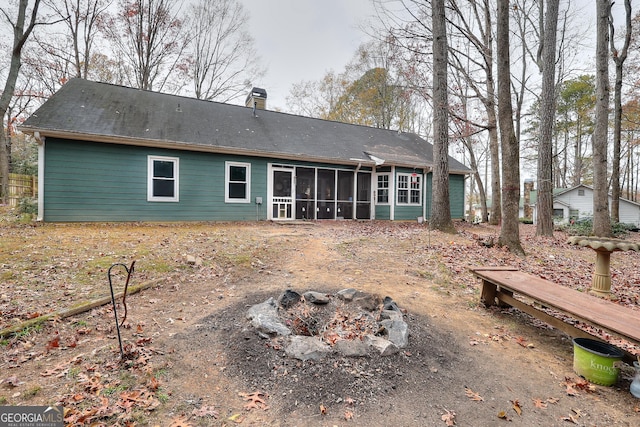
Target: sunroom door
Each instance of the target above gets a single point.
(281, 194)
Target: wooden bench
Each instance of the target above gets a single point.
(499, 284)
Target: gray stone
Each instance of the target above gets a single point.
(289, 298)
(191, 260)
(391, 315)
(351, 348)
(366, 302)
(347, 294)
(397, 331)
(383, 346)
(306, 348)
(316, 297)
(389, 304)
(264, 317)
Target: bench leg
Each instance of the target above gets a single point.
(504, 304)
(488, 293)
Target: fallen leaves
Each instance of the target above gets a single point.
(256, 400)
(102, 392)
(205, 411)
(574, 386)
(449, 418)
(539, 404)
(53, 343)
(180, 422)
(473, 395)
(515, 404)
(503, 416)
(573, 418)
(12, 381)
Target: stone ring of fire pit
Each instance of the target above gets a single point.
(315, 324)
(604, 247)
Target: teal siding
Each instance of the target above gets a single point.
(428, 193)
(85, 181)
(456, 196)
(106, 182)
(383, 211)
(404, 213)
(407, 212)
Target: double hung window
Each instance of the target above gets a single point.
(162, 175)
(237, 182)
(409, 189)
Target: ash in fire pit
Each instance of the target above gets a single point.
(314, 324)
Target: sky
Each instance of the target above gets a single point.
(303, 39)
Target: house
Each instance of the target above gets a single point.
(112, 153)
(577, 203)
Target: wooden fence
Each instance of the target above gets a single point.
(21, 186)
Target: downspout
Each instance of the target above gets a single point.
(426, 171)
(40, 140)
(355, 191)
(392, 196)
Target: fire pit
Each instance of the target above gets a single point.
(314, 324)
(604, 247)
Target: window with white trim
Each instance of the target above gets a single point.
(409, 189)
(382, 191)
(237, 182)
(162, 179)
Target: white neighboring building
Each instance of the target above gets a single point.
(577, 202)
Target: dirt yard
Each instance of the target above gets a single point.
(192, 358)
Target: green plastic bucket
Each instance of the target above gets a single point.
(595, 361)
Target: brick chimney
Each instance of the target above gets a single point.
(257, 99)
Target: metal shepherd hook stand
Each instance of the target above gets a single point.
(129, 271)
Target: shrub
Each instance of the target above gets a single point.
(28, 205)
(584, 227)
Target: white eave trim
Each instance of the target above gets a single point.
(172, 145)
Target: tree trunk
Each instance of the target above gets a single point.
(618, 58)
(20, 35)
(544, 223)
(577, 161)
(601, 220)
(492, 123)
(510, 231)
(494, 150)
(440, 207)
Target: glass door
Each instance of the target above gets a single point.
(305, 193)
(363, 204)
(282, 200)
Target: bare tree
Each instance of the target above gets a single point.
(619, 56)
(544, 223)
(509, 232)
(81, 19)
(475, 63)
(601, 220)
(68, 48)
(149, 39)
(223, 58)
(466, 133)
(440, 209)
(22, 24)
(316, 98)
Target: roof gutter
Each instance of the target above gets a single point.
(172, 145)
(39, 134)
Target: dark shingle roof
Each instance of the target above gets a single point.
(87, 110)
